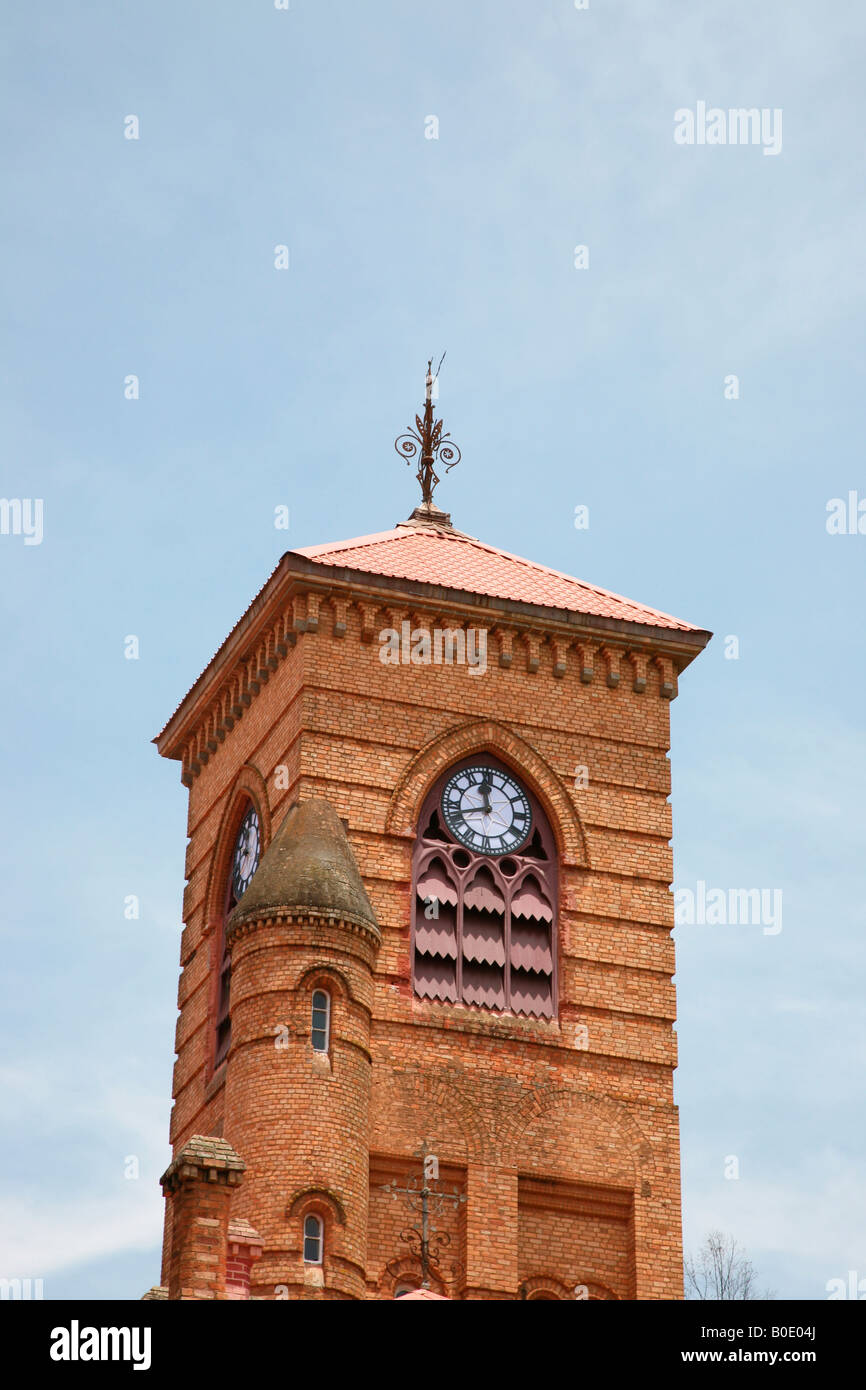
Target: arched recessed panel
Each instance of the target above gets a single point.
(238, 865)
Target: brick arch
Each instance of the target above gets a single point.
(539, 1285)
(597, 1293)
(481, 736)
(599, 1120)
(407, 1267)
(324, 977)
(433, 1103)
(319, 1200)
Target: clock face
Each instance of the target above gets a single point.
(245, 860)
(487, 810)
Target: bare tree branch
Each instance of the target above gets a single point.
(722, 1270)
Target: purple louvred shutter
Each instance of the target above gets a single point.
(483, 986)
(530, 948)
(484, 938)
(532, 994)
(435, 979)
(437, 936)
(433, 882)
(530, 901)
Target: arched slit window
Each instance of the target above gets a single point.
(485, 891)
(313, 1239)
(321, 1020)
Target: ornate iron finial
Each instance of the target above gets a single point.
(426, 1243)
(428, 441)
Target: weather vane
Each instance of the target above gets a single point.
(428, 442)
(426, 1243)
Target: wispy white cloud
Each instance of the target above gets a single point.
(815, 1209)
(71, 1201)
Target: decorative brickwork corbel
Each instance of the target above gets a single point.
(312, 612)
(299, 612)
(532, 642)
(369, 621)
(586, 662)
(667, 677)
(611, 657)
(340, 610)
(505, 638)
(638, 662)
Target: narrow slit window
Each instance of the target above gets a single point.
(321, 1018)
(313, 1232)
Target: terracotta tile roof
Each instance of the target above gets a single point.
(446, 557)
(427, 552)
(422, 1293)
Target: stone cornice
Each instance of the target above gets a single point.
(204, 1158)
(305, 597)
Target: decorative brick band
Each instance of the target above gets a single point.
(356, 925)
(314, 610)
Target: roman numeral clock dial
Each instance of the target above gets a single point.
(487, 810)
(245, 860)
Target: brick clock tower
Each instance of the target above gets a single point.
(426, 1041)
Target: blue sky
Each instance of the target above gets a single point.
(602, 386)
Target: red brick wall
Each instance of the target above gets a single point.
(500, 1096)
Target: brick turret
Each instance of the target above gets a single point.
(199, 1183)
(301, 1115)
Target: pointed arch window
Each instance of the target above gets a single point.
(485, 892)
(243, 862)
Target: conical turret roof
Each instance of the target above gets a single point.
(307, 868)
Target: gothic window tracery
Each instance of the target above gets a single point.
(484, 923)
